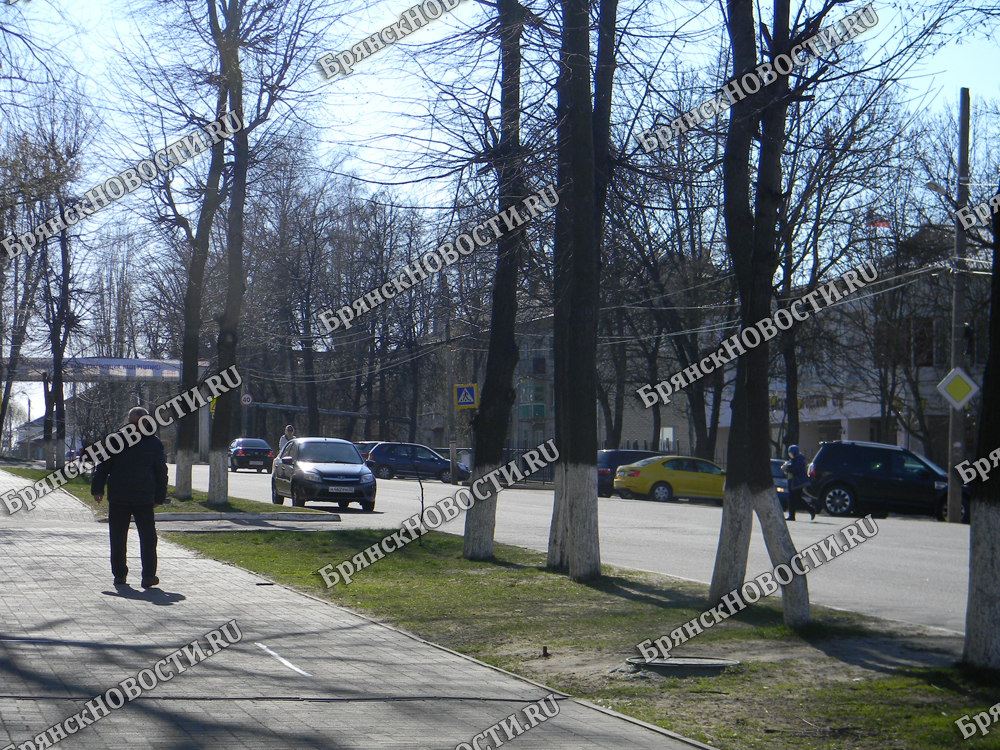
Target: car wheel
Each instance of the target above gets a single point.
(384, 472)
(838, 500)
(942, 511)
(445, 476)
(259, 471)
(275, 497)
(368, 505)
(298, 498)
(342, 504)
(662, 492)
(232, 466)
(268, 469)
(604, 494)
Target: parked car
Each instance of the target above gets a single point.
(322, 469)
(250, 453)
(390, 460)
(665, 478)
(851, 477)
(72, 455)
(365, 448)
(608, 462)
(780, 482)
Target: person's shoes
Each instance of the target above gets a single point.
(120, 580)
(812, 514)
(148, 583)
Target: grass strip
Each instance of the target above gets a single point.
(830, 686)
(79, 487)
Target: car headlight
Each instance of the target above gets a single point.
(462, 466)
(940, 485)
(312, 476)
(367, 478)
(781, 489)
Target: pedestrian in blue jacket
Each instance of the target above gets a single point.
(798, 479)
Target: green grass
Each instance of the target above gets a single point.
(80, 488)
(789, 693)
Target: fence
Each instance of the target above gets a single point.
(515, 452)
(670, 447)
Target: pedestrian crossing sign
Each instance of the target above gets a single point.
(466, 397)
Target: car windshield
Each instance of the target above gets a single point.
(329, 453)
(254, 444)
(930, 463)
(776, 471)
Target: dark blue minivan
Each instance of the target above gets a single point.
(388, 460)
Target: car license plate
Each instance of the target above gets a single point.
(340, 489)
(256, 463)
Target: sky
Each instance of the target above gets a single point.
(367, 111)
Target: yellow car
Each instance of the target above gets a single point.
(664, 478)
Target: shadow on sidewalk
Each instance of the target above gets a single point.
(154, 596)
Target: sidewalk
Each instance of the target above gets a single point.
(66, 636)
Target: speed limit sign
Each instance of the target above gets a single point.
(246, 399)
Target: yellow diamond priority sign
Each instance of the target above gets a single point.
(958, 388)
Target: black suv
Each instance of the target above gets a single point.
(608, 462)
(853, 478)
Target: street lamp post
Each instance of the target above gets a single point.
(956, 421)
(956, 418)
(453, 469)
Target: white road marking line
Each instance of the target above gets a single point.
(283, 660)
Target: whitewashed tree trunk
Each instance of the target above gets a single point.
(481, 518)
(558, 528)
(982, 616)
(734, 542)
(182, 482)
(781, 549)
(583, 547)
(218, 476)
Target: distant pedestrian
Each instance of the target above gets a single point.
(137, 482)
(798, 479)
(289, 435)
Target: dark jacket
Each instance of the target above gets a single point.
(796, 471)
(136, 475)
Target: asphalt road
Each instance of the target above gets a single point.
(915, 569)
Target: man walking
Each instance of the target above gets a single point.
(798, 478)
(137, 482)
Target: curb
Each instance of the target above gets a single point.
(242, 517)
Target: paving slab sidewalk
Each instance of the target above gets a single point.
(67, 635)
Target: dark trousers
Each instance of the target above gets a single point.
(796, 499)
(119, 517)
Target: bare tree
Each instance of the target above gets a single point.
(498, 395)
(574, 541)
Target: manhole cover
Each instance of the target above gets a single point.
(684, 666)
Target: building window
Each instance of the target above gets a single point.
(532, 400)
(538, 365)
(923, 341)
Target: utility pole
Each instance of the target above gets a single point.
(956, 422)
(451, 398)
